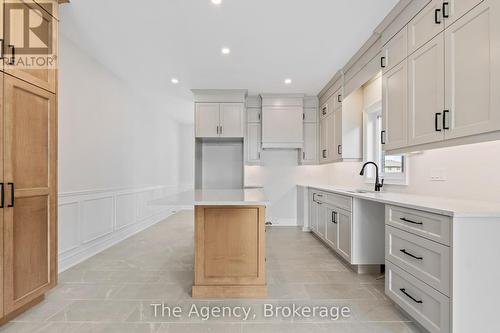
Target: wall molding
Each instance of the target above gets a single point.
(91, 221)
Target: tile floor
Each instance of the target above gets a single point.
(113, 291)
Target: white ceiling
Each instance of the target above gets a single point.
(146, 43)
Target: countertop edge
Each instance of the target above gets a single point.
(409, 204)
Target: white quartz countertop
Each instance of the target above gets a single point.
(237, 197)
(438, 205)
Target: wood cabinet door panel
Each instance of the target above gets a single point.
(230, 245)
(473, 72)
(34, 58)
(30, 166)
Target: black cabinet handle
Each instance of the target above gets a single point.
(334, 217)
(339, 98)
(436, 16)
(221, 129)
(2, 51)
(2, 196)
(13, 55)
(410, 221)
(323, 111)
(324, 153)
(403, 290)
(339, 149)
(436, 121)
(445, 11)
(11, 195)
(445, 125)
(382, 137)
(411, 255)
(382, 62)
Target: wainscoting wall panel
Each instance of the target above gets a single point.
(91, 221)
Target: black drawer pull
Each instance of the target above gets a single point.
(382, 137)
(12, 190)
(403, 290)
(382, 62)
(411, 255)
(13, 55)
(445, 9)
(2, 50)
(2, 196)
(445, 122)
(410, 221)
(436, 16)
(436, 121)
(334, 217)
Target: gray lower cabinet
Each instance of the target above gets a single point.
(332, 222)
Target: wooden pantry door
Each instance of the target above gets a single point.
(30, 149)
(32, 59)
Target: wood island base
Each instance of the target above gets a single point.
(230, 257)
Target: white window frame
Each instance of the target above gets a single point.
(369, 155)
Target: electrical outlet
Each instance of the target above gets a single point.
(438, 175)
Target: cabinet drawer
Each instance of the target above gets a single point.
(427, 306)
(339, 201)
(432, 226)
(395, 51)
(425, 259)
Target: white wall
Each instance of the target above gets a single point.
(116, 153)
(279, 175)
(186, 171)
(472, 173)
(109, 138)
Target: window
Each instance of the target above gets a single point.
(392, 167)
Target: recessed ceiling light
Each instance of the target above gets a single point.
(174, 80)
(225, 50)
(288, 81)
(216, 2)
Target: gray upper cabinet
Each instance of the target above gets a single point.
(455, 9)
(473, 71)
(207, 120)
(395, 107)
(425, 25)
(426, 92)
(214, 120)
(395, 51)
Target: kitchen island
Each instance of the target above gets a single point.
(229, 242)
